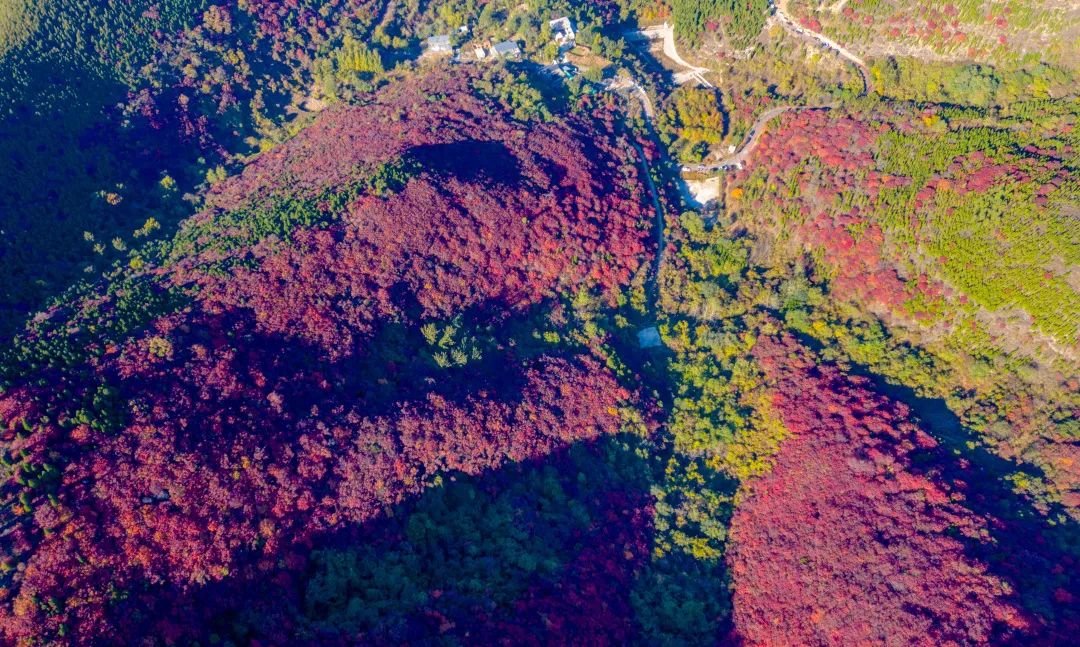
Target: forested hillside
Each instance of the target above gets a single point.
(625, 322)
(850, 539)
(110, 112)
(18, 20)
(942, 216)
(217, 374)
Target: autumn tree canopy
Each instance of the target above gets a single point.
(847, 539)
(289, 369)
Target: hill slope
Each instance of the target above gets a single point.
(328, 336)
(1008, 33)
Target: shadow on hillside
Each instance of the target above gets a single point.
(70, 172)
(79, 154)
(1038, 552)
(532, 553)
(483, 350)
(469, 160)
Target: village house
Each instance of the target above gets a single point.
(506, 49)
(562, 30)
(439, 44)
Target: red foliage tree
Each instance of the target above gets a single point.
(846, 541)
(502, 214)
(232, 431)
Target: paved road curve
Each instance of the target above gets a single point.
(738, 158)
(667, 33)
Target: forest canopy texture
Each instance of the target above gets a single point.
(278, 386)
(480, 322)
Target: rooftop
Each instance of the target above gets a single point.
(506, 48)
(649, 337)
(440, 43)
(561, 26)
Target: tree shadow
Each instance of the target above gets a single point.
(471, 560)
(1039, 552)
(469, 160)
(483, 349)
(553, 550)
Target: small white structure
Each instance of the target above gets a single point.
(480, 53)
(439, 44)
(562, 30)
(506, 49)
(649, 337)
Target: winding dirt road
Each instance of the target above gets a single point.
(693, 73)
(779, 9)
(736, 160)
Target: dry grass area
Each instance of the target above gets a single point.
(584, 58)
(994, 31)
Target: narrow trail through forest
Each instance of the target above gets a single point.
(652, 289)
(785, 19)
